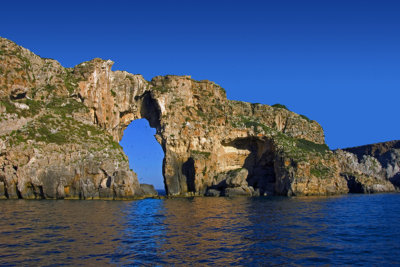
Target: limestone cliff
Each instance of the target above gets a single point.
(49, 145)
(60, 128)
(371, 168)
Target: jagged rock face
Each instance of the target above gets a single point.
(148, 190)
(59, 130)
(204, 136)
(371, 168)
(49, 145)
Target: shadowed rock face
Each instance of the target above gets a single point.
(371, 168)
(60, 129)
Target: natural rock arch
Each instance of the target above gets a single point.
(203, 135)
(145, 154)
(62, 128)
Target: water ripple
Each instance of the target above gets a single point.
(346, 230)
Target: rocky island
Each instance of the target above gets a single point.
(60, 130)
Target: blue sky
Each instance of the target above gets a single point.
(337, 62)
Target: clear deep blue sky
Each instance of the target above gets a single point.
(337, 62)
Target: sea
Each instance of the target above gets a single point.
(348, 230)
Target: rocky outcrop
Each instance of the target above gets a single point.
(371, 168)
(148, 190)
(60, 128)
(49, 146)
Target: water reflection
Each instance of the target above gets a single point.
(57, 232)
(286, 232)
(206, 230)
(142, 234)
(347, 230)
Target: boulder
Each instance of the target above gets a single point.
(213, 193)
(361, 183)
(237, 177)
(237, 191)
(148, 190)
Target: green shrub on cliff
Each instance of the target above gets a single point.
(34, 107)
(58, 137)
(63, 106)
(10, 107)
(311, 146)
(70, 82)
(320, 171)
(279, 106)
(306, 118)
(250, 122)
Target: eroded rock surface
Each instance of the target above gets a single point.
(148, 190)
(60, 129)
(371, 168)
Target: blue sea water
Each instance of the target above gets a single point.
(343, 230)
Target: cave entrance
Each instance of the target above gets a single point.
(144, 152)
(260, 163)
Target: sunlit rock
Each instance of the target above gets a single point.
(60, 128)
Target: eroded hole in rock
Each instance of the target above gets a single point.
(395, 180)
(188, 170)
(18, 93)
(150, 110)
(259, 163)
(144, 152)
(353, 185)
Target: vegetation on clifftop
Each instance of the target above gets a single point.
(297, 148)
(279, 106)
(55, 123)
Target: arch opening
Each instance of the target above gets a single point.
(144, 152)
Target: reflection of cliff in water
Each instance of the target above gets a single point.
(218, 230)
(202, 231)
(59, 232)
(287, 230)
(206, 230)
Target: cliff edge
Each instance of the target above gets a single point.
(60, 128)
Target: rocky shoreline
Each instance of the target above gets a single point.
(60, 130)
